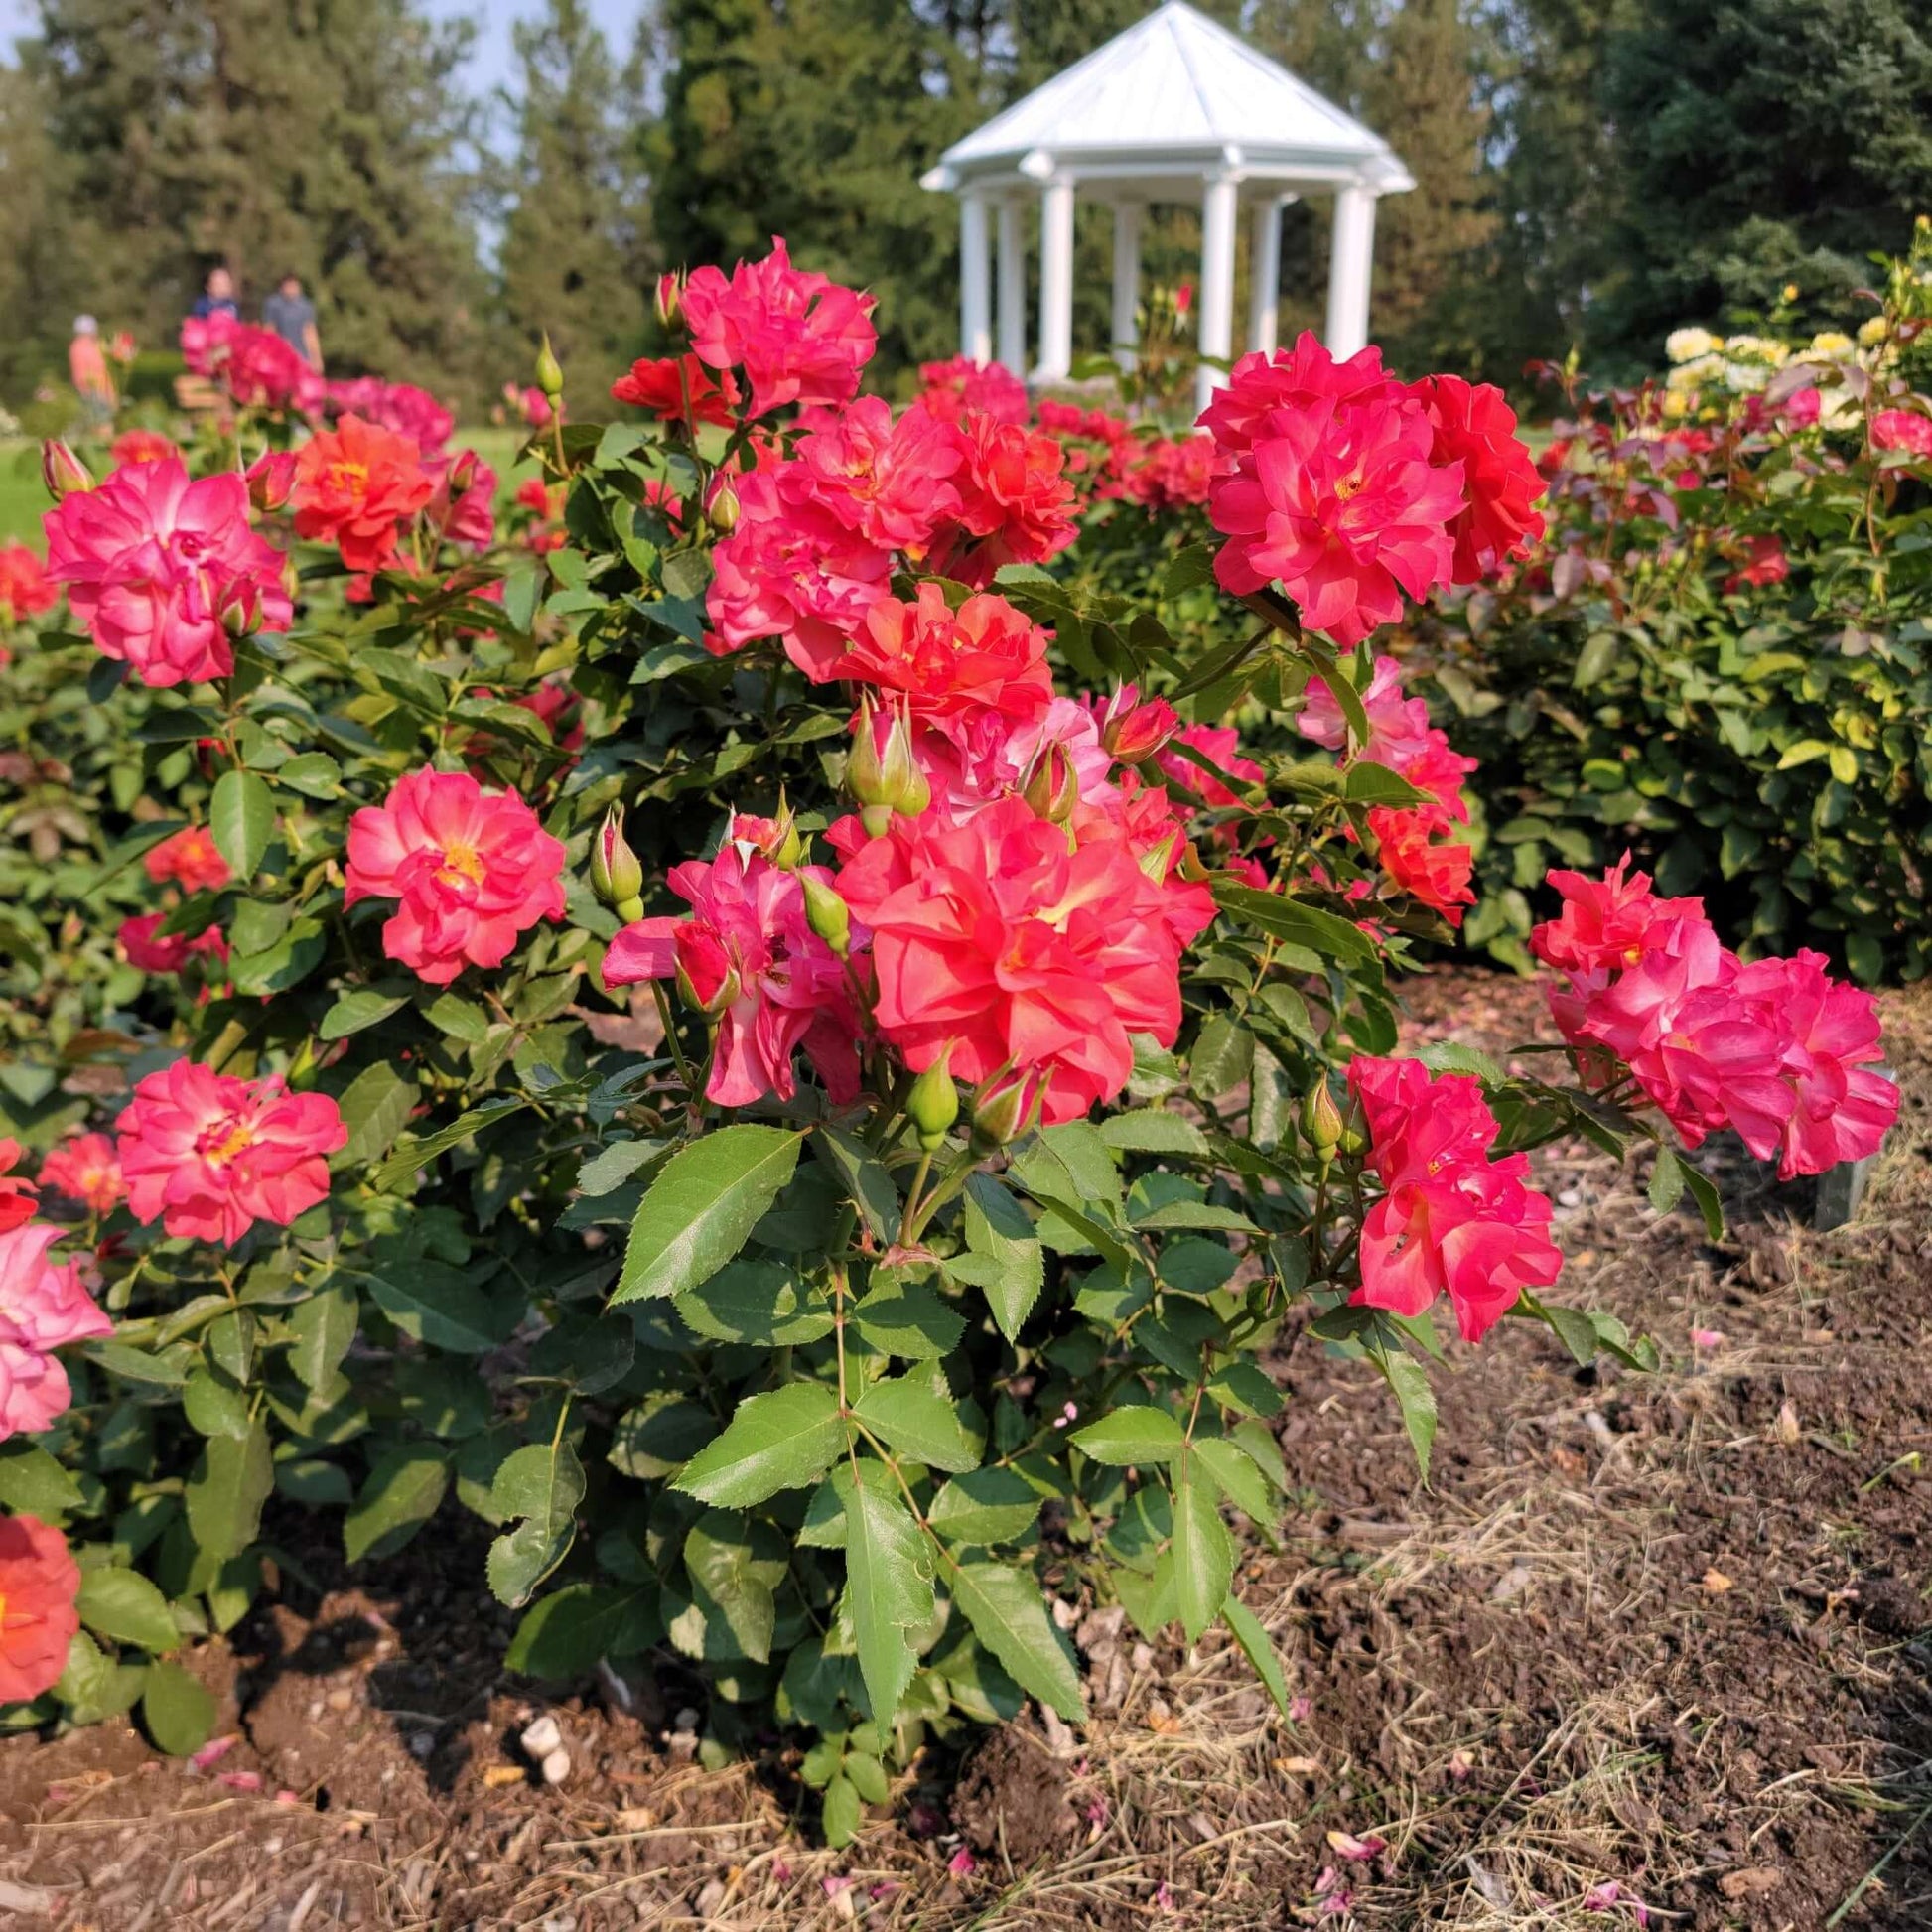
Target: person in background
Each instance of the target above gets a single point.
(87, 364)
(218, 296)
(292, 316)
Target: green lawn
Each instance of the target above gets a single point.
(22, 499)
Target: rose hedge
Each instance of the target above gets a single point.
(671, 1028)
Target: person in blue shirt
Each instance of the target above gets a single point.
(218, 296)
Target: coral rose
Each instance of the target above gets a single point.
(1476, 427)
(1438, 873)
(679, 388)
(991, 939)
(209, 1154)
(161, 569)
(1017, 505)
(470, 868)
(397, 406)
(798, 337)
(15, 1190)
(354, 485)
(946, 663)
(749, 958)
(1450, 1220)
(1902, 429)
(88, 1169)
(150, 950)
(954, 387)
(25, 588)
(39, 1582)
(190, 859)
(43, 1306)
(142, 446)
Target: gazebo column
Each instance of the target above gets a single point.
(1351, 255)
(1217, 217)
(1055, 281)
(1125, 335)
(1265, 273)
(1013, 286)
(975, 287)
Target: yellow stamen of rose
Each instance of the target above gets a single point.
(238, 1137)
(460, 860)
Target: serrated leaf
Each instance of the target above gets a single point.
(782, 1440)
(213, 1406)
(1204, 1558)
(178, 1711)
(887, 1592)
(1256, 1647)
(917, 1418)
(865, 1182)
(225, 1494)
(403, 1491)
(1009, 1616)
(354, 1011)
(1302, 925)
(242, 817)
(1001, 1234)
(761, 1303)
(414, 1154)
(907, 1318)
(1234, 1474)
(123, 1607)
(375, 1106)
(1414, 1397)
(435, 1304)
(1153, 1130)
(984, 1506)
(32, 1483)
(702, 1207)
(1369, 783)
(543, 1483)
(568, 1632)
(321, 1331)
(737, 1562)
(1135, 1433)
(844, 1812)
(1665, 1181)
(1705, 1197)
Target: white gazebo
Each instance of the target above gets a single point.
(1172, 108)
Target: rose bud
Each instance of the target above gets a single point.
(1006, 1106)
(1053, 790)
(827, 914)
(616, 878)
(670, 298)
(549, 371)
(62, 472)
(933, 1104)
(271, 480)
(707, 977)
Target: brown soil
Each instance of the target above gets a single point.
(1644, 1645)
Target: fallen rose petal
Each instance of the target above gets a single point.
(961, 1862)
(242, 1780)
(213, 1750)
(1346, 1844)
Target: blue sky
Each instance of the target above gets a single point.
(493, 61)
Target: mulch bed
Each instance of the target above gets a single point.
(1646, 1649)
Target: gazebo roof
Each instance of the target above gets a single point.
(1173, 97)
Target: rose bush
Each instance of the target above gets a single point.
(748, 1033)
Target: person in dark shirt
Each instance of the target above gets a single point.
(217, 297)
(292, 316)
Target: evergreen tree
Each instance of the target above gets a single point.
(576, 241)
(814, 119)
(274, 134)
(1759, 142)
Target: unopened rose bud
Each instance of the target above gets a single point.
(1321, 1122)
(908, 792)
(549, 371)
(933, 1104)
(1133, 732)
(865, 768)
(62, 472)
(774, 839)
(271, 480)
(1054, 790)
(670, 298)
(616, 878)
(827, 914)
(707, 975)
(723, 509)
(238, 614)
(463, 472)
(1006, 1106)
